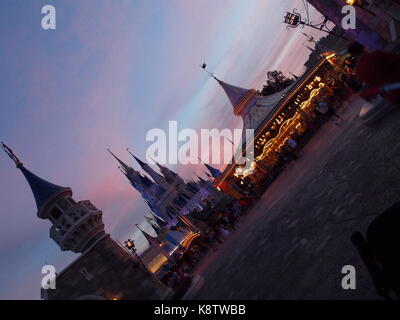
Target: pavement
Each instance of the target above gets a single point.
(294, 242)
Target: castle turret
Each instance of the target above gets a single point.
(170, 175)
(158, 178)
(215, 173)
(148, 189)
(75, 225)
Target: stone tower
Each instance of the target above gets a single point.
(105, 269)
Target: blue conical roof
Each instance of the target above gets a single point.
(42, 190)
(214, 172)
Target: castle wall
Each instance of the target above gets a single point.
(106, 271)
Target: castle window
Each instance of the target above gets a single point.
(63, 204)
(90, 206)
(55, 213)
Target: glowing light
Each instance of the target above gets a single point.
(157, 263)
(294, 122)
(329, 56)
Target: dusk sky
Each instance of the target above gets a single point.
(111, 71)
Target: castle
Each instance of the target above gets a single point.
(105, 269)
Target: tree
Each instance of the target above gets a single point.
(276, 81)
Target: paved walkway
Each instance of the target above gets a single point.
(296, 239)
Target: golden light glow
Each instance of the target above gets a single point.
(157, 263)
(189, 238)
(329, 56)
(350, 2)
(231, 168)
(290, 125)
(129, 244)
(243, 172)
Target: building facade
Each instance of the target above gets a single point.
(377, 21)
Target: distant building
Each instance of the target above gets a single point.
(166, 248)
(378, 21)
(104, 269)
(166, 193)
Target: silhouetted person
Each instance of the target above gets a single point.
(383, 238)
(380, 252)
(377, 69)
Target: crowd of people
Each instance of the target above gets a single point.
(222, 222)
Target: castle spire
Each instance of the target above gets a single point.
(151, 222)
(200, 178)
(169, 174)
(123, 164)
(158, 178)
(214, 172)
(42, 190)
(152, 240)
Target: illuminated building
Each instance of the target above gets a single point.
(165, 249)
(275, 119)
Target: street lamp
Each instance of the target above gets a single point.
(130, 245)
(294, 19)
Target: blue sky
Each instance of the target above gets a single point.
(111, 71)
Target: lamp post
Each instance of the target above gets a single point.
(294, 19)
(130, 245)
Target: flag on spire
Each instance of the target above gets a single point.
(11, 154)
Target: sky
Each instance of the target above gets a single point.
(111, 71)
